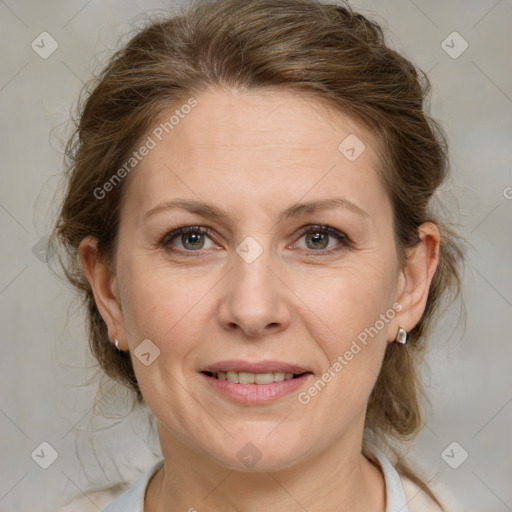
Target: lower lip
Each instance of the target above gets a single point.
(255, 394)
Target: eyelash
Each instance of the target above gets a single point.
(345, 242)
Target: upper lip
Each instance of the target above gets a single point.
(255, 367)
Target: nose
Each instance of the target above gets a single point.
(255, 298)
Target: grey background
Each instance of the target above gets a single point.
(44, 395)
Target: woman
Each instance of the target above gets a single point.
(248, 219)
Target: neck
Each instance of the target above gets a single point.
(339, 479)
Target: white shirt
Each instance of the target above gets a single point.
(401, 495)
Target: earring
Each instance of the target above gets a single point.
(116, 343)
(402, 336)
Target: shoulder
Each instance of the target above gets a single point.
(122, 498)
(417, 499)
(94, 501)
(403, 493)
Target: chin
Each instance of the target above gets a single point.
(259, 456)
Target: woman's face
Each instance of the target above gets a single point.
(261, 291)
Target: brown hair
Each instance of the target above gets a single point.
(307, 46)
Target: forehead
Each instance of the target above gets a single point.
(256, 147)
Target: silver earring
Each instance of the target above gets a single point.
(117, 344)
(402, 336)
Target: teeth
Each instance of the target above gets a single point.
(247, 378)
(264, 378)
(253, 378)
(232, 377)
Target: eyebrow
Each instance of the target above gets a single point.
(207, 210)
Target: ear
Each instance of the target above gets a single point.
(416, 276)
(104, 284)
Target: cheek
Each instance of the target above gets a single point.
(348, 301)
(164, 305)
(349, 328)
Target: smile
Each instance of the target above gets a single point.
(253, 378)
(251, 389)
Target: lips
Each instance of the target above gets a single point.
(258, 367)
(255, 383)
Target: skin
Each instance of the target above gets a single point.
(253, 155)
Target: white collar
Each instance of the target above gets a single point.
(133, 499)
